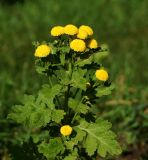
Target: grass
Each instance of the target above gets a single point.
(121, 24)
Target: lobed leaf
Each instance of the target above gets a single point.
(78, 80)
(100, 138)
(31, 113)
(52, 149)
(103, 90)
(78, 106)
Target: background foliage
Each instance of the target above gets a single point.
(121, 24)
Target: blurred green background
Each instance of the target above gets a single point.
(121, 24)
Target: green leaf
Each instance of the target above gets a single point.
(31, 113)
(83, 62)
(52, 149)
(62, 58)
(64, 49)
(69, 144)
(73, 155)
(79, 136)
(39, 136)
(91, 144)
(63, 76)
(99, 56)
(54, 49)
(57, 115)
(100, 138)
(95, 57)
(48, 93)
(78, 106)
(102, 91)
(41, 66)
(75, 140)
(78, 80)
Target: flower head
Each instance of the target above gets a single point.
(102, 75)
(42, 51)
(82, 34)
(87, 29)
(70, 29)
(78, 45)
(57, 31)
(66, 130)
(93, 44)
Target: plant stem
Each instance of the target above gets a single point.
(56, 97)
(75, 109)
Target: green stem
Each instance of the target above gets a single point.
(76, 112)
(56, 97)
(66, 97)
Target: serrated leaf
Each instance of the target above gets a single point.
(31, 114)
(70, 157)
(63, 76)
(103, 138)
(48, 93)
(78, 106)
(75, 140)
(78, 79)
(69, 144)
(103, 90)
(73, 155)
(57, 115)
(52, 149)
(79, 136)
(91, 144)
(95, 57)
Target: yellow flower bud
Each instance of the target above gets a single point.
(87, 29)
(57, 31)
(82, 34)
(93, 44)
(66, 130)
(78, 45)
(102, 75)
(42, 51)
(70, 29)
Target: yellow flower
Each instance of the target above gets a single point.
(42, 51)
(102, 74)
(70, 29)
(66, 130)
(57, 31)
(93, 44)
(82, 34)
(78, 45)
(87, 29)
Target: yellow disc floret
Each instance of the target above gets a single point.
(102, 75)
(66, 130)
(87, 29)
(82, 34)
(78, 45)
(57, 31)
(93, 44)
(70, 29)
(42, 51)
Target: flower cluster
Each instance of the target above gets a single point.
(80, 40)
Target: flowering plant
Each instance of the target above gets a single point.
(61, 117)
